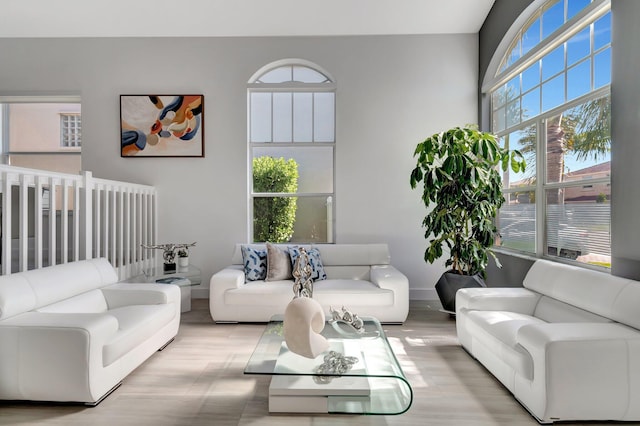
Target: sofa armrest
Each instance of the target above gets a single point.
(229, 278)
(38, 350)
(583, 365)
(390, 278)
(512, 299)
(127, 294)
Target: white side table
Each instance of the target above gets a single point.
(184, 277)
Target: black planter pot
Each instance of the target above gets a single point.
(449, 283)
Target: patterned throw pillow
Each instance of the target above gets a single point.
(315, 262)
(255, 263)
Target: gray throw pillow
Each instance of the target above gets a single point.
(278, 264)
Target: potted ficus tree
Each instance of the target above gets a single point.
(462, 188)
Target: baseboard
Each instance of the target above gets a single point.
(423, 294)
(198, 292)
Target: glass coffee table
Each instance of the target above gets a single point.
(373, 383)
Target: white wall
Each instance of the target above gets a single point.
(392, 92)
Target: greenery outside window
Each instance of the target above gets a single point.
(291, 133)
(550, 99)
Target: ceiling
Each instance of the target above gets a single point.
(171, 18)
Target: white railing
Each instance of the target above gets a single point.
(51, 218)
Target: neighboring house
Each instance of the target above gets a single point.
(41, 135)
(589, 192)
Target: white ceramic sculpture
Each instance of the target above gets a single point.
(303, 322)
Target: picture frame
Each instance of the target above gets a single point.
(161, 126)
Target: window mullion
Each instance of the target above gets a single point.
(541, 173)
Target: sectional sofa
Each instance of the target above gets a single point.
(358, 276)
(566, 344)
(71, 332)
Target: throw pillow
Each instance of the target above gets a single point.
(255, 263)
(278, 264)
(315, 261)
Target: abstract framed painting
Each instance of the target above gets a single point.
(162, 125)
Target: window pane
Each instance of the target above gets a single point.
(499, 120)
(323, 117)
(498, 97)
(312, 216)
(578, 46)
(602, 32)
(278, 75)
(516, 222)
(513, 88)
(580, 231)
(525, 141)
(531, 77)
(531, 37)
(575, 6)
(260, 117)
(579, 80)
(315, 166)
(552, 19)
(553, 93)
(553, 62)
(307, 75)
(302, 117)
(602, 65)
(531, 104)
(579, 148)
(513, 113)
(514, 55)
(272, 219)
(282, 116)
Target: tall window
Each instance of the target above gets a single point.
(291, 129)
(41, 133)
(550, 98)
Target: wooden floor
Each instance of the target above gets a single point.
(198, 380)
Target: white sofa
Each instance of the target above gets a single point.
(359, 277)
(71, 333)
(566, 345)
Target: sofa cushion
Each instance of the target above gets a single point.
(255, 263)
(503, 326)
(334, 292)
(552, 310)
(90, 302)
(315, 261)
(136, 324)
(278, 263)
(26, 291)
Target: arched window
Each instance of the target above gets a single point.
(550, 99)
(291, 128)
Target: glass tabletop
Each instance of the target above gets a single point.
(373, 383)
(190, 272)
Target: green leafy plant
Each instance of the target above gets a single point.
(460, 172)
(274, 217)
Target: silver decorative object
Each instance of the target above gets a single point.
(169, 250)
(347, 317)
(302, 284)
(334, 364)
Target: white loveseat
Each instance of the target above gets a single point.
(359, 277)
(567, 345)
(70, 332)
